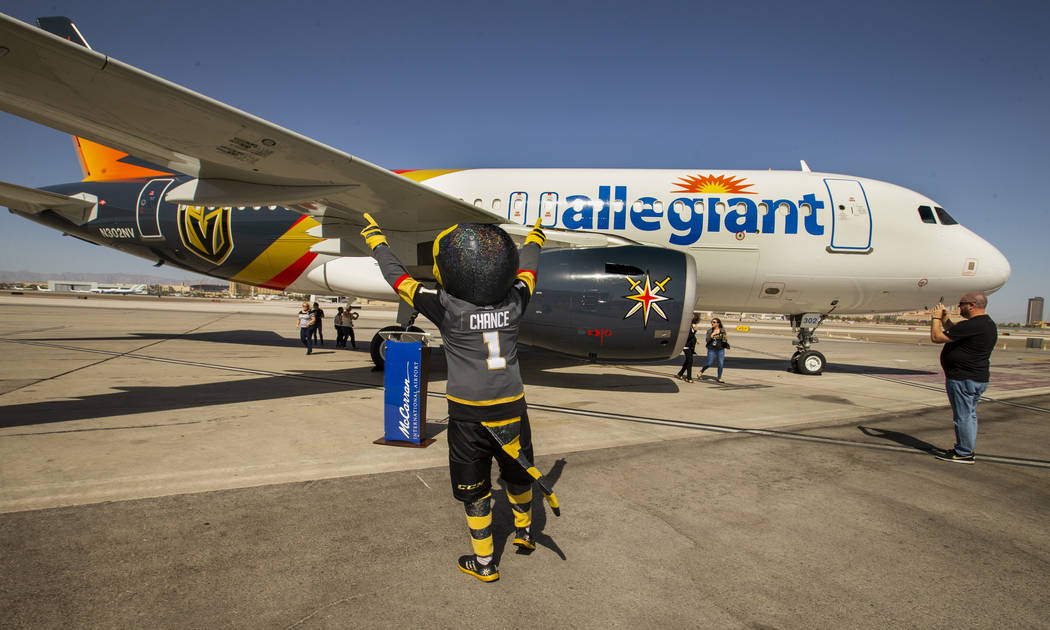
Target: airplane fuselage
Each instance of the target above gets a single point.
(763, 241)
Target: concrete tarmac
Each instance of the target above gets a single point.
(186, 465)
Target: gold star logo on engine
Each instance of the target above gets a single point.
(206, 232)
(647, 298)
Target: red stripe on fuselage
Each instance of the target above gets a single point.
(288, 276)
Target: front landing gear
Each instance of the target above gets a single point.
(806, 360)
(809, 362)
(378, 346)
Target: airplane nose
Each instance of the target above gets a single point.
(995, 269)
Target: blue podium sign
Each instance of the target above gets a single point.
(403, 382)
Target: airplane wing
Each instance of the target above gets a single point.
(239, 159)
(34, 201)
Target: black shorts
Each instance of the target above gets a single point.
(470, 451)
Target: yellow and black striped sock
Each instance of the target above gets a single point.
(520, 498)
(479, 521)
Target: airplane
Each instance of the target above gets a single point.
(138, 289)
(181, 179)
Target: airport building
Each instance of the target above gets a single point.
(239, 289)
(71, 286)
(1035, 311)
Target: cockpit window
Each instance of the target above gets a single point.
(946, 219)
(926, 214)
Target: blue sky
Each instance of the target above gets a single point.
(946, 98)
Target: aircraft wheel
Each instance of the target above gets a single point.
(811, 362)
(378, 348)
(793, 363)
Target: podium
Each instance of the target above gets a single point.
(405, 389)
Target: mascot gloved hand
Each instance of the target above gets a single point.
(373, 235)
(536, 235)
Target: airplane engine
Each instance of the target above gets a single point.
(630, 303)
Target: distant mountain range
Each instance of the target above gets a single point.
(108, 278)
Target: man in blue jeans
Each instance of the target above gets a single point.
(305, 322)
(965, 360)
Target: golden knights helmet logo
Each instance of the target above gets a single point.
(646, 298)
(206, 232)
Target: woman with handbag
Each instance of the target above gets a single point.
(717, 344)
(686, 373)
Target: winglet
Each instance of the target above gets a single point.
(63, 27)
(805, 167)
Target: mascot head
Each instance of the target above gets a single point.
(475, 262)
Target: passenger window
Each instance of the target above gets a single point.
(497, 204)
(926, 213)
(946, 219)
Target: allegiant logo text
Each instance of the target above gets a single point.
(687, 217)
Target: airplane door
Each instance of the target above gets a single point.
(517, 207)
(147, 216)
(548, 209)
(851, 216)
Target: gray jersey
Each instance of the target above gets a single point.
(481, 342)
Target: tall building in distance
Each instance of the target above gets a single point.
(1035, 311)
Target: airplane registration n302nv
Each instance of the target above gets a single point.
(178, 178)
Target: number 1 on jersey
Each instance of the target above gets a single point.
(495, 361)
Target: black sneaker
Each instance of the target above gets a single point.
(951, 456)
(486, 573)
(523, 540)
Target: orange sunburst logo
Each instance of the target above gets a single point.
(711, 184)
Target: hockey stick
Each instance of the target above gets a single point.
(506, 432)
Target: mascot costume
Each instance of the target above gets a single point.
(484, 284)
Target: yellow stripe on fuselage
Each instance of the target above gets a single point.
(424, 174)
(287, 249)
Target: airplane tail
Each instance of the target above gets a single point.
(103, 164)
(99, 163)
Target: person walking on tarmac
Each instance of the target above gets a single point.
(318, 329)
(686, 373)
(484, 284)
(717, 344)
(348, 326)
(304, 321)
(340, 330)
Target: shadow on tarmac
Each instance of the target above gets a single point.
(243, 337)
(900, 438)
(503, 520)
(535, 359)
(133, 400)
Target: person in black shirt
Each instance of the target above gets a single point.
(717, 344)
(318, 329)
(686, 373)
(965, 361)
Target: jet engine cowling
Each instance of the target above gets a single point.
(630, 303)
